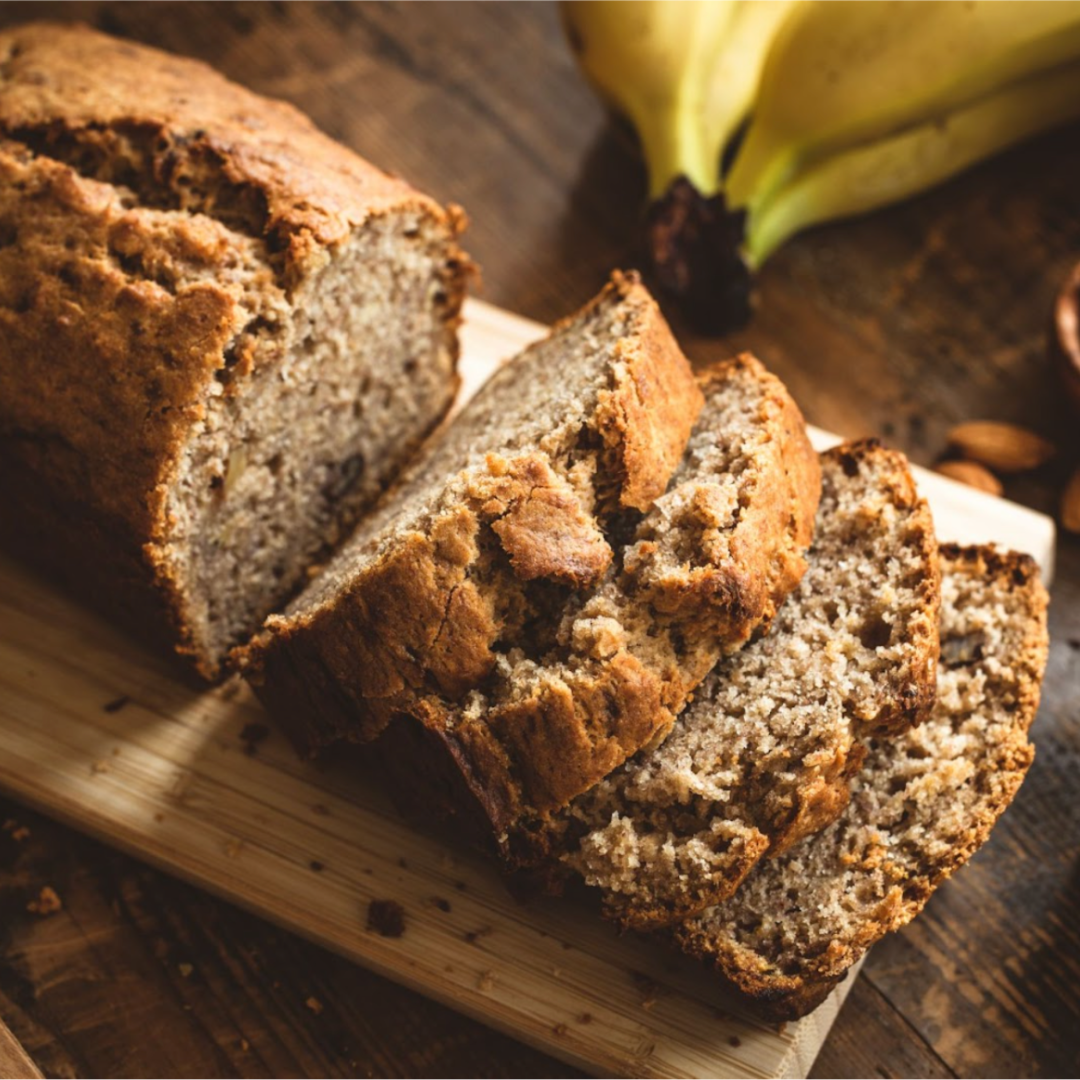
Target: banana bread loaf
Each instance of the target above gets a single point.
(221, 333)
(510, 622)
(764, 755)
(921, 806)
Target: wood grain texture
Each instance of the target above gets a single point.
(899, 324)
(14, 1060)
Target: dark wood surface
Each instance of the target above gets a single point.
(899, 324)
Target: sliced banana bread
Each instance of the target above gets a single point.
(221, 333)
(486, 609)
(922, 804)
(764, 755)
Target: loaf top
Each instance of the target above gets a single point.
(189, 136)
(157, 225)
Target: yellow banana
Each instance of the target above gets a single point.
(841, 74)
(873, 175)
(684, 74)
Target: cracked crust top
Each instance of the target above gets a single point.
(264, 164)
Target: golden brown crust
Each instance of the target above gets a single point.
(645, 419)
(134, 303)
(64, 81)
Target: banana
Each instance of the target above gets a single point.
(684, 74)
(873, 175)
(843, 74)
(851, 105)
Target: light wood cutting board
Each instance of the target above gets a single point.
(103, 736)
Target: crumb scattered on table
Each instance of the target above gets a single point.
(47, 902)
(386, 917)
(185, 970)
(314, 1004)
(316, 866)
(734, 1040)
(253, 734)
(486, 981)
(99, 767)
(648, 987)
(116, 704)
(441, 903)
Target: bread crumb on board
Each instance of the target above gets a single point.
(314, 1004)
(386, 917)
(46, 902)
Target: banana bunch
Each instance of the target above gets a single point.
(824, 109)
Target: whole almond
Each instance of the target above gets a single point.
(971, 473)
(1070, 504)
(1006, 448)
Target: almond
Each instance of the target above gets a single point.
(1070, 504)
(1006, 448)
(971, 473)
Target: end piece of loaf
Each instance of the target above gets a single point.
(922, 804)
(485, 624)
(764, 754)
(221, 333)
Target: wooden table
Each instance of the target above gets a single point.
(899, 325)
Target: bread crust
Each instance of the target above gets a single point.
(92, 427)
(767, 546)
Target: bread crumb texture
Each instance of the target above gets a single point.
(923, 802)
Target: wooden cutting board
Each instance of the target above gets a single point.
(104, 736)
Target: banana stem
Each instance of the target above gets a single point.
(694, 247)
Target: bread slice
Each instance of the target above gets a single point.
(487, 609)
(221, 333)
(764, 754)
(922, 804)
